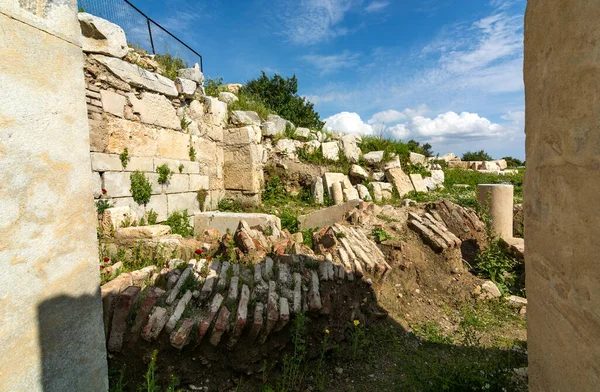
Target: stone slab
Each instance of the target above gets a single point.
(418, 183)
(327, 216)
(400, 180)
(224, 221)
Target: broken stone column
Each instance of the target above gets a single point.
(562, 194)
(497, 200)
(336, 191)
(51, 330)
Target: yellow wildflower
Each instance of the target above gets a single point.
(327, 331)
(356, 323)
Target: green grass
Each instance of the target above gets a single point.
(179, 221)
(136, 258)
(170, 64)
(248, 102)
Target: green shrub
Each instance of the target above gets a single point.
(124, 157)
(170, 65)
(388, 146)
(181, 167)
(164, 174)
(495, 264)
(380, 235)
(102, 205)
(141, 190)
(249, 102)
(416, 168)
(289, 219)
(213, 87)
(179, 221)
(192, 154)
(230, 205)
(513, 162)
(201, 197)
(281, 96)
(275, 193)
(476, 156)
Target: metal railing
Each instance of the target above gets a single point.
(141, 30)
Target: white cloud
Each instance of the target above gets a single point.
(377, 6)
(329, 97)
(456, 126)
(347, 122)
(330, 63)
(307, 22)
(394, 116)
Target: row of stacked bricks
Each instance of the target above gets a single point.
(205, 299)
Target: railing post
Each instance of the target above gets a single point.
(150, 33)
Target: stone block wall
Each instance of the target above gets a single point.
(157, 124)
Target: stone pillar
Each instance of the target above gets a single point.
(562, 194)
(498, 200)
(336, 191)
(51, 333)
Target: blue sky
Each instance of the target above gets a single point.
(447, 72)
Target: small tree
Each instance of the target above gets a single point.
(513, 162)
(476, 156)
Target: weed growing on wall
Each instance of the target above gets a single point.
(201, 196)
(212, 87)
(151, 216)
(124, 157)
(180, 168)
(495, 264)
(102, 205)
(192, 154)
(170, 64)
(141, 189)
(164, 174)
(179, 221)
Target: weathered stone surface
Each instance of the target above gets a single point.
(269, 128)
(363, 192)
(240, 117)
(278, 122)
(358, 172)
(429, 184)
(141, 232)
(417, 182)
(155, 324)
(206, 321)
(312, 146)
(373, 157)
(287, 148)
(272, 312)
(257, 323)
(284, 314)
(350, 148)
(180, 281)
(101, 36)
(183, 201)
(119, 325)
(182, 336)
(331, 178)
(331, 151)
(137, 76)
(502, 165)
(224, 221)
(491, 288)
(326, 217)
(233, 87)
(437, 176)
(105, 162)
(400, 180)
(241, 316)
(155, 109)
(113, 103)
(221, 326)
(192, 74)
(211, 280)
(317, 192)
(216, 111)
(350, 194)
(378, 176)
(394, 163)
(186, 87)
(179, 309)
(302, 133)
(228, 98)
(415, 158)
(314, 296)
(337, 193)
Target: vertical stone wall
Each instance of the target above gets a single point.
(51, 336)
(562, 188)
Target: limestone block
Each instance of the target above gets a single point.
(137, 76)
(287, 148)
(155, 109)
(351, 194)
(105, 162)
(447, 157)
(244, 135)
(173, 164)
(97, 185)
(190, 167)
(392, 164)
(223, 221)
(437, 176)
(363, 192)
(178, 183)
(115, 215)
(113, 103)
(228, 98)
(117, 184)
(216, 111)
(415, 158)
(417, 182)
(141, 232)
(378, 176)
(349, 147)
(198, 182)
(429, 184)
(185, 87)
(196, 110)
(331, 151)
(317, 191)
(173, 145)
(337, 193)
(240, 117)
(400, 180)
(488, 165)
(331, 178)
(158, 204)
(312, 146)
(501, 164)
(303, 133)
(279, 123)
(98, 135)
(327, 216)
(269, 128)
(458, 163)
(140, 163)
(183, 201)
(358, 172)
(373, 157)
(101, 36)
(192, 74)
